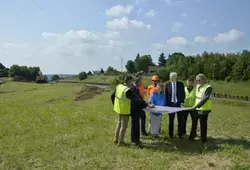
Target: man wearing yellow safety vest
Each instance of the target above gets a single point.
(189, 102)
(203, 106)
(122, 98)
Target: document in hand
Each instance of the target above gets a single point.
(166, 110)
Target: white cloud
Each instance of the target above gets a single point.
(125, 23)
(116, 43)
(226, 37)
(230, 36)
(151, 13)
(184, 14)
(75, 50)
(177, 41)
(176, 26)
(202, 40)
(174, 44)
(203, 22)
(173, 2)
(119, 10)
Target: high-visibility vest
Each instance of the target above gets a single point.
(200, 92)
(122, 104)
(190, 97)
(142, 90)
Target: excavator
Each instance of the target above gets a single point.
(40, 78)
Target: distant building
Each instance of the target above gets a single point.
(153, 69)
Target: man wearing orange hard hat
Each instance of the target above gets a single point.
(152, 88)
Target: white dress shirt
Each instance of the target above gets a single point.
(174, 93)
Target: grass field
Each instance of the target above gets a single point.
(43, 127)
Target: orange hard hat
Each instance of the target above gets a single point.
(155, 78)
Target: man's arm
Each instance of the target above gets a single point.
(151, 99)
(182, 93)
(135, 99)
(167, 94)
(113, 97)
(208, 92)
(148, 92)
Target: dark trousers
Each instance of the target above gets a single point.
(143, 121)
(185, 116)
(203, 125)
(171, 122)
(135, 128)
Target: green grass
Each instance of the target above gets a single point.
(43, 127)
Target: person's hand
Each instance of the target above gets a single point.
(151, 106)
(193, 108)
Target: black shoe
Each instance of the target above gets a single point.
(191, 138)
(181, 137)
(205, 144)
(171, 137)
(144, 133)
(137, 144)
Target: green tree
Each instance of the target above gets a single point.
(2, 66)
(241, 69)
(24, 72)
(89, 73)
(130, 66)
(4, 72)
(55, 78)
(143, 64)
(110, 70)
(137, 61)
(102, 72)
(162, 60)
(163, 74)
(83, 75)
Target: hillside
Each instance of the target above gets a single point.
(44, 127)
(222, 87)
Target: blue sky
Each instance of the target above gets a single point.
(69, 36)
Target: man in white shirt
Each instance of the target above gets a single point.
(175, 95)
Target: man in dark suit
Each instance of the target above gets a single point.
(175, 95)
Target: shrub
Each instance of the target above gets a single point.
(119, 79)
(82, 75)
(4, 72)
(55, 77)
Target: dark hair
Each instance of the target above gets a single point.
(128, 78)
(137, 79)
(161, 85)
(191, 79)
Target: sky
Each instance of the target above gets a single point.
(70, 36)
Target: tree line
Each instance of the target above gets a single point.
(26, 73)
(216, 66)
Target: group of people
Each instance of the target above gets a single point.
(129, 101)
